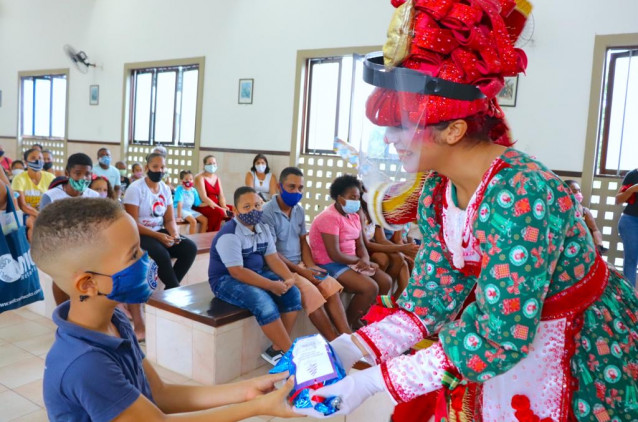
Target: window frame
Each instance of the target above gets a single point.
(302, 85)
(155, 71)
(606, 100)
(42, 74)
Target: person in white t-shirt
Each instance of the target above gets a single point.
(105, 169)
(78, 174)
(149, 202)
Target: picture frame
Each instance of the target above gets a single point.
(507, 96)
(94, 95)
(245, 94)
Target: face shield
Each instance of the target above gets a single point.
(390, 125)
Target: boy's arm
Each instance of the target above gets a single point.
(173, 398)
(274, 404)
(277, 266)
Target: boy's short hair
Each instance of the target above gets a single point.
(13, 164)
(100, 150)
(70, 224)
(184, 173)
(241, 191)
(288, 171)
(342, 184)
(78, 159)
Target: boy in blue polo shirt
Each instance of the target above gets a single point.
(246, 271)
(287, 223)
(95, 370)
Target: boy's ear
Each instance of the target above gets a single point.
(85, 284)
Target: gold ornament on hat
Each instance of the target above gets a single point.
(397, 46)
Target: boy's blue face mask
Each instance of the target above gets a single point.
(135, 283)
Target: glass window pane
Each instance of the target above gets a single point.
(27, 107)
(623, 128)
(322, 106)
(344, 98)
(142, 115)
(189, 106)
(58, 114)
(165, 107)
(42, 107)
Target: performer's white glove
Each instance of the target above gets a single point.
(347, 351)
(353, 390)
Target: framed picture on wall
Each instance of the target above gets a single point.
(94, 95)
(245, 91)
(507, 96)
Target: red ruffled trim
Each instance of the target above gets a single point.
(377, 313)
(371, 345)
(389, 385)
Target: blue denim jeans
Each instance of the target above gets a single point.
(628, 230)
(266, 306)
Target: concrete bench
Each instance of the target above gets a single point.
(191, 332)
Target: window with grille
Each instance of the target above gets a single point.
(43, 101)
(163, 105)
(331, 104)
(618, 134)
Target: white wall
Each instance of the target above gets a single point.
(259, 39)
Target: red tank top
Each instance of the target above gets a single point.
(212, 191)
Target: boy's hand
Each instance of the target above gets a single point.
(278, 287)
(276, 403)
(410, 249)
(265, 384)
(290, 282)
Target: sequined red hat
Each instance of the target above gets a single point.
(467, 42)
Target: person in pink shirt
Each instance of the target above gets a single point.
(337, 246)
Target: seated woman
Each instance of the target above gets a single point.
(389, 256)
(261, 179)
(31, 185)
(210, 191)
(337, 246)
(149, 202)
(185, 197)
(103, 188)
(587, 216)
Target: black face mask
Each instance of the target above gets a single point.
(47, 166)
(155, 176)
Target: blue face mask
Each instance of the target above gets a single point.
(210, 168)
(135, 283)
(251, 218)
(351, 206)
(290, 198)
(35, 165)
(105, 159)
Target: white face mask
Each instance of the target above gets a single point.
(260, 168)
(15, 172)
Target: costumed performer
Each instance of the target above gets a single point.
(532, 324)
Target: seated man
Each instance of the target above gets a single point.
(95, 370)
(246, 271)
(285, 218)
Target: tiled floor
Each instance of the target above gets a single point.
(25, 339)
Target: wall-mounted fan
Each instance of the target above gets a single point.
(79, 59)
(527, 34)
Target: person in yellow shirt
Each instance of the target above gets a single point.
(31, 184)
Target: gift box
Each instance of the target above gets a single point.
(315, 365)
(602, 346)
